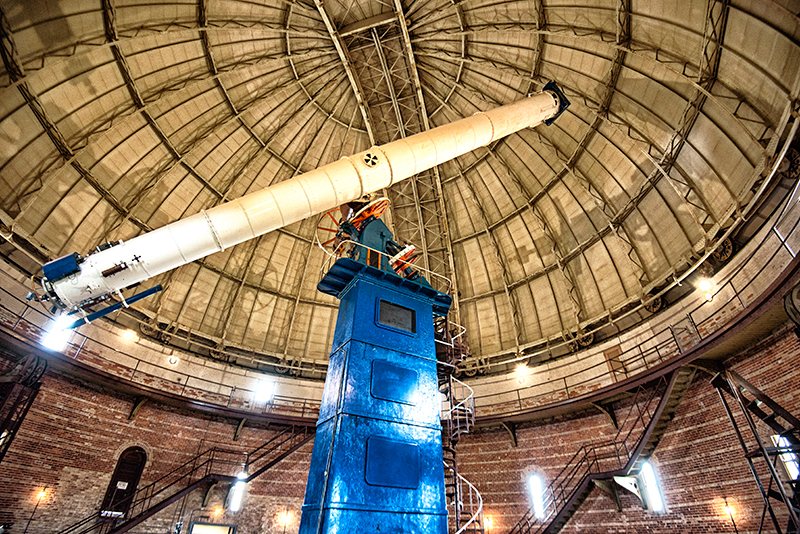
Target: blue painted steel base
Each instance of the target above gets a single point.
(377, 460)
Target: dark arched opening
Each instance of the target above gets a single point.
(124, 482)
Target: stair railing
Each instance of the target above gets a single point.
(615, 455)
(459, 418)
(770, 413)
(219, 463)
(471, 503)
(461, 415)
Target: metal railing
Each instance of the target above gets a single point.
(472, 503)
(348, 248)
(737, 290)
(734, 293)
(29, 322)
(461, 416)
(457, 421)
(222, 464)
(603, 457)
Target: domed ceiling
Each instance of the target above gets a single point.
(118, 117)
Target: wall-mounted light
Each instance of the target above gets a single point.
(264, 390)
(39, 496)
(488, 523)
(536, 487)
(730, 510)
(284, 519)
(705, 285)
(173, 360)
(129, 335)
(58, 335)
(654, 499)
(521, 372)
(237, 493)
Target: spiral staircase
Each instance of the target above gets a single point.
(464, 503)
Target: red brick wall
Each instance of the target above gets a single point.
(74, 433)
(699, 460)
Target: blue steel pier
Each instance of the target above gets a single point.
(377, 460)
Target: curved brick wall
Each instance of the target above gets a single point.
(75, 431)
(73, 435)
(699, 459)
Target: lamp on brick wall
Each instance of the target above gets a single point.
(284, 519)
(729, 510)
(39, 496)
(237, 492)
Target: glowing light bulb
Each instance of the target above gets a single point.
(487, 522)
(128, 335)
(705, 285)
(58, 336)
(42, 494)
(285, 518)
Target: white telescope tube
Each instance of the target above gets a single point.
(327, 187)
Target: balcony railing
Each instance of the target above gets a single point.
(736, 289)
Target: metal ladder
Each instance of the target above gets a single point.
(19, 385)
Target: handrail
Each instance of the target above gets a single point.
(29, 324)
(460, 417)
(339, 251)
(611, 456)
(668, 342)
(217, 463)
(475, 504)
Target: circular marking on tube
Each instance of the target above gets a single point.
(370, 159)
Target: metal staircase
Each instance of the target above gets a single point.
(754, 404)
(19, 385)
(212, 466)
(464, 502)
(650, 411)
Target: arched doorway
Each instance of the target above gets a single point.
(124, 482)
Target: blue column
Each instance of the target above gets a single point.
(377, 460)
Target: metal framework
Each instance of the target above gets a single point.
(371, 72)
(753, 404)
